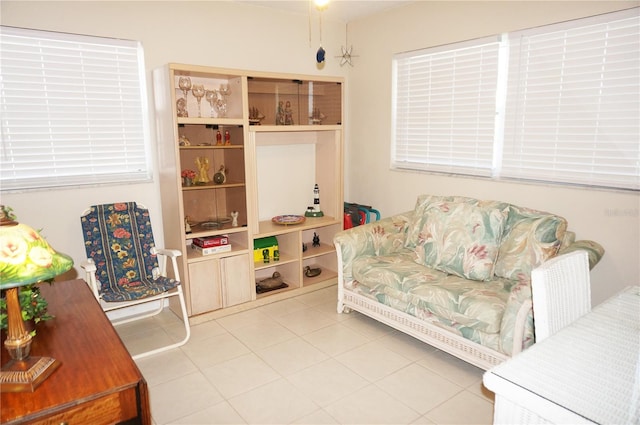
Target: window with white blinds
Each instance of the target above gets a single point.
(566, 106)
(444, 108)
(73, 110)
(573, 104)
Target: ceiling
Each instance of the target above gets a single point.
(339, 10)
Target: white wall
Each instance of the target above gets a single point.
(211, 33)
(611, 218)
(226, 34)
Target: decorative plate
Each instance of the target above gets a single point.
(288, 219)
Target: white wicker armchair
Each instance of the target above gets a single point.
(561, 292)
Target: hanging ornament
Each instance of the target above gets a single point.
(347, 54)
(320, 54)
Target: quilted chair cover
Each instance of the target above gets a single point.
(119, 239)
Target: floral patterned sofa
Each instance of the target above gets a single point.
(454, 272)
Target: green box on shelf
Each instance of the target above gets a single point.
(262, 246)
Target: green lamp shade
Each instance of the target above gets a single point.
(26, 257)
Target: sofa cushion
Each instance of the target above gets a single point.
(530, 238)
(417, 221)
(399, 280)
(460, 238)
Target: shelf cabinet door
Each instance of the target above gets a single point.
(235, 274)
(206, 294)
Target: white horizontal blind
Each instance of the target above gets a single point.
(573, 103)
(73, 110)
(444, 108)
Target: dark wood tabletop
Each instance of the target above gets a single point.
(97, 381)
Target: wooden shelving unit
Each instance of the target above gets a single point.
(311, 142)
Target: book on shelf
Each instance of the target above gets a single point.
(211, 241)
(211, 250)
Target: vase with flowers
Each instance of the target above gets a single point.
(187, 177)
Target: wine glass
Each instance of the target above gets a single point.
(211, 96)
(185, 85)
(198, 92)
(221, 104)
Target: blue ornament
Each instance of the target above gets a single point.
(320, 55)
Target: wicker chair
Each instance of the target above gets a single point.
(561, 292)
(123, 267)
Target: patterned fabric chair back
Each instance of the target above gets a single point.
(119, 239)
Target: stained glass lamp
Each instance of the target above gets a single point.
(25, 258)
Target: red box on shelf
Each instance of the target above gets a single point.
(211, 241)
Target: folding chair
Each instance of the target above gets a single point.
(561, 292)
(124, 267)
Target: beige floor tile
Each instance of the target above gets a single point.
(221, 413)
(282, 308)
(367, 326)
(305, 321)
(336, 339)
(239, 375)
(262, 335)
(406, 345)
(373, 361)
(145, 340)
(452, 368)
(464, 408)
(418, 387)
(165, 366)
(327, 382)
(319, 417)
(182, 397)
(371, 405)
(213, 350)
(277, 402)
(244, 318)
(292, 356)
(319, 297)
(298, 361)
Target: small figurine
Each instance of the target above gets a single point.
(265, 256)
(234, 218)
(203, 170)
(227, 138)
(218, 139)
(280, 114)
(271, 282)
(309, 272)
(181, 106)
(184, 141)
(316, 239)
(220, 177)
(304, 247)
(187, 226)
(288, 114)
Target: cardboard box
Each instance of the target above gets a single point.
(264, 247)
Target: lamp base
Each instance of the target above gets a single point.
(26, 375)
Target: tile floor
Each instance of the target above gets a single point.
(299, 362)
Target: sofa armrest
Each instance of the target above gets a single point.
(594, 249)
(516, 330)
(383, 237)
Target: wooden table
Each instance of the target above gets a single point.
(585, 373)
(97, 381)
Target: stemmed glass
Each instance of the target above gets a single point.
(198, 93)
(185, 85)
(221, 104)
(211, 96)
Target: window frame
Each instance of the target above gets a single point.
(74, 111)
(502, 143)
